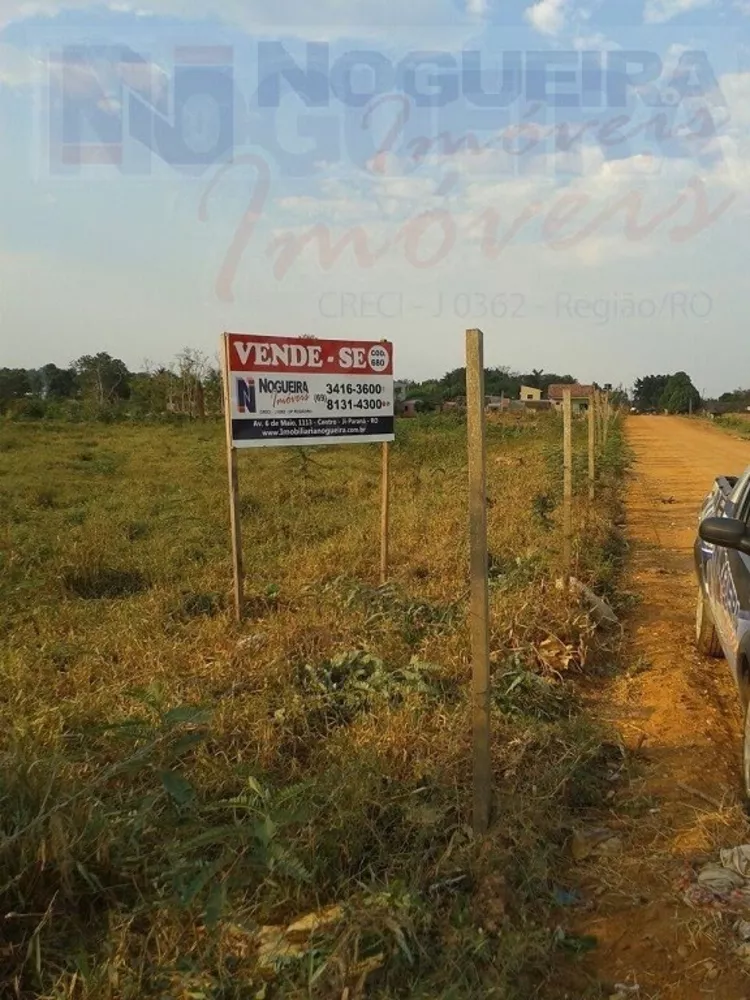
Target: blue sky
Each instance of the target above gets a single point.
(570, 176)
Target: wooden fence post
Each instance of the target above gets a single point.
(234, 493)
(479, 607)
(592, 447)
(567, 484)
(384, 515)
(607, 417)
(599, 419)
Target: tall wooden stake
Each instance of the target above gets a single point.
(479, 610)
(234, 493)
(600, 418)
(592, 447)
(567, 484)
(607, 417)
(384, 516)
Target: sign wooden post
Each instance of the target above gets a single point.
(384, 515)
(592, 447)
(234, 493)
(301, 391)
(479, 608)
(607, 417)
(567, 484)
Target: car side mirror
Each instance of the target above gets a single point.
(727, 532)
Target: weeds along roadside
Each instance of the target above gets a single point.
(171, 785)
(737, 424)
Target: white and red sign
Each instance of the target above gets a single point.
(300, 391)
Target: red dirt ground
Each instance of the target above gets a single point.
(681, 713)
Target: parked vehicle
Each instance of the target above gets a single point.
(722, 558)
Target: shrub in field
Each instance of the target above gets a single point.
(337, 691)
(518, 691)
(543, 505)
(388, 604)
(27, 409)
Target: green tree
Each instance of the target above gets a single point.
(213, 391)
(539, 379)
(502, 382)
(739, 396)
(619, 397)
(431, 394)
(649, 390)
(102, 378)
(193, 368)
(452, 384)
(14, 384)
(680, 395)
(51, 382)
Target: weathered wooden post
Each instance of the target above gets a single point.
(592, 446)
(479, 605)
(384, 514)
(607, 418)
(238, 572)
(567, 484)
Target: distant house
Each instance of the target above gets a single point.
(530, 398)
(529, 405)
(410, 407)
(530, 394)
(539, 405)
(580, 396)
(454, 405)
(400, 389)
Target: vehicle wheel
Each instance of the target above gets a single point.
(706, 636)
(746, 759)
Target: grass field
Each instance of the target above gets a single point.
(735, 423)
(176, 790)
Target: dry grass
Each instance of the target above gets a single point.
(734, 423)
(170, 783)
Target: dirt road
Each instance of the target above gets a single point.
(681, 713)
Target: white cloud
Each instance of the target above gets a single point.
(332, 211)
(735, 88)
(548, 16)
(16, 67)
(594, 43)
(606, 203)
(660, 11)
(324, 19)
(599, 249)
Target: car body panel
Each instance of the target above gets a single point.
(724, 576)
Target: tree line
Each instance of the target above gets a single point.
(666, 393)
(100, 386)
(501, 381)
